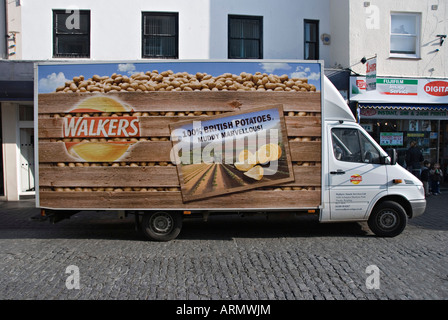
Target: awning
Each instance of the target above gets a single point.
(339, 77)
(16, 80)
(16, 90)
(404, 106)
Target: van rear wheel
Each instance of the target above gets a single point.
(161, 225)
(388, 219)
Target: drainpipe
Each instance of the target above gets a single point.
(6, 35)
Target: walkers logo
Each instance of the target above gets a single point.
(112, 125)
(104, 127)
(356, 179)
(437, 88)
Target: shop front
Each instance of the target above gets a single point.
(402, 110)
(16, 130)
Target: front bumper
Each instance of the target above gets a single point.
(418, 207)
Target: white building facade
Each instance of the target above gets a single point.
(117, 27)
(106, 30)
(339, 32)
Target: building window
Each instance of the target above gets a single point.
(245, 37)
(160, 35)
(71, 33)
(405, 35)
(311, 36)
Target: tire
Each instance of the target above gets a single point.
(388, 219)
(161, 225)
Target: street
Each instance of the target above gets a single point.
(96, 255)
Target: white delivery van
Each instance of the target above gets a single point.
(363, 182)
(177, 139)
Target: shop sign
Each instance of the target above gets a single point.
(367, 126)
(361, 84)
(391, 138)
(400, 90)
(437, 88)
(371, 74)
(387, 86)
(403, 114)
(407, 87)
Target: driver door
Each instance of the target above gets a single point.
(356, 176)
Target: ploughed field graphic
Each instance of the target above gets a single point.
(209, 177)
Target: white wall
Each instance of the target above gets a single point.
(368, 41)
(340, 34)
(283, 22)
(116, 26)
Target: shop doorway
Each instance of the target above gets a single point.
(444, 148)
(2, 177)
(26, 144)
(26, 159)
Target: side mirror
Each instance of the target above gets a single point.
(393, 155)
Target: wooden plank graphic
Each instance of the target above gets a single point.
(105, 142)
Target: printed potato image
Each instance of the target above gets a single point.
(245, 155)
(268, 152)
(255, 173)
(101, 104)
(246, 160)
(243, 166)
(98, 151)
(167, 80)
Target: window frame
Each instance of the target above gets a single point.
(175, 36)
(56, 34)
(417, 17)
(244, 17)
(316, 42)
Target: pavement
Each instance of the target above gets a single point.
(227, 258)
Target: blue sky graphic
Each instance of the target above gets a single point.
(53, 75)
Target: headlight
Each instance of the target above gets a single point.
(422, 190)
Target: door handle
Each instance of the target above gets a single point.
(339, 171)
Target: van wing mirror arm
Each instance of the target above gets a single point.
(391, 158)
(384, 160)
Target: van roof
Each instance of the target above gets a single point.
(335, 107)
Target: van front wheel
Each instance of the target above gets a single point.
(388, 219)
(161, 225)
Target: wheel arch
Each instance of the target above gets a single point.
(396, 198)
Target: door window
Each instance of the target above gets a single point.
(350, 145)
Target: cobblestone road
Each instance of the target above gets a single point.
(224, 258)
